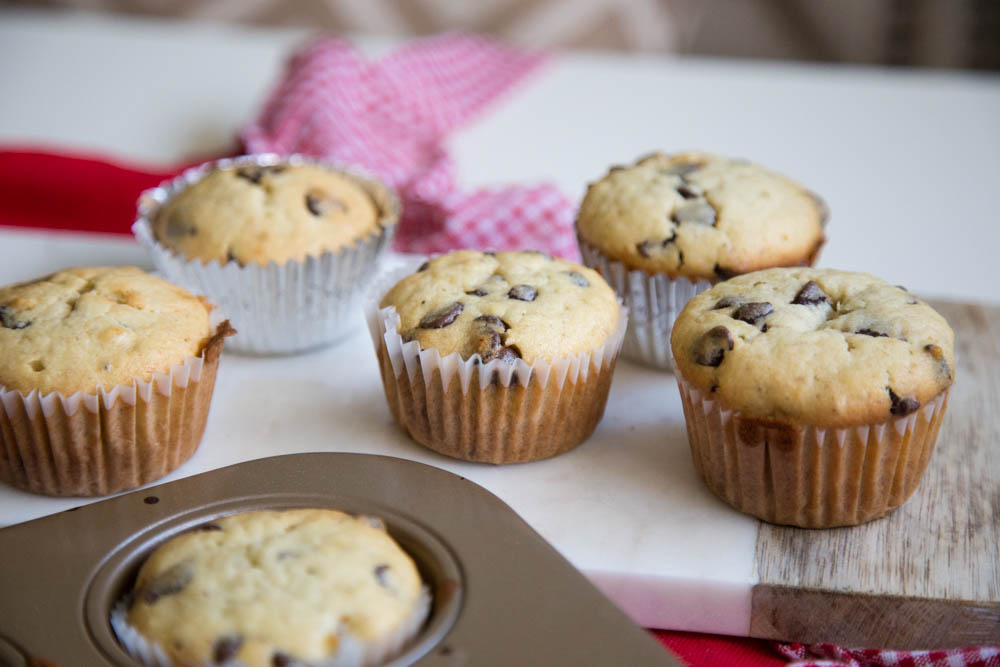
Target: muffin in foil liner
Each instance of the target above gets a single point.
(807, 476)
(654, 301)
(497, 412)
(277, 308)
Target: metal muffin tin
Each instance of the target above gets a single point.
(501, 594)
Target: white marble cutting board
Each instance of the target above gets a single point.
(626, 507)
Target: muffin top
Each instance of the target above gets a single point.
(815, 346)
(504, 305)
(275, 588)
(84, 328)
(701, 216)
(258, 214)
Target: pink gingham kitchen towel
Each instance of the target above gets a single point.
(828, 655)
(391, 116)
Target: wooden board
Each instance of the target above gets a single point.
(928, 575)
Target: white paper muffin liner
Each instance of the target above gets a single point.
(804, 475)
(497, 412)
(89, 444)
(654, 302)
(352, 652)
(277, 308)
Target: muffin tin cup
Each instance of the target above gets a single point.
(111, 440)
(277, 308)
(497, 412)
(807, 476)
(654, 300)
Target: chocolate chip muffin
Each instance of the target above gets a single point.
(669, 226)
(812, 397)
(266, 213)
(283, 245)
(498, 357)
(287, 587)
(79, 353)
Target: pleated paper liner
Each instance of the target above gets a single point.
(497, 412)
(351, 651)
(112, 440)
(807, 476)
(278, 308)
(654, 300)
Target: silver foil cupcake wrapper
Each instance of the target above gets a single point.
(277, 308)
(653, 301)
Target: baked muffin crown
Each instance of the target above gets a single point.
(505, 305)
(701, 216)
(83, 328)
(818, 346)
(276, 587)
(263, 213)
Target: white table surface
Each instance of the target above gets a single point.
(908, 161)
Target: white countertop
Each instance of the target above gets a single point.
(908, 161)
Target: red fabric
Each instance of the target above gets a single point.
(391, 117)
(700, 650)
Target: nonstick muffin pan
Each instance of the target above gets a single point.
(501, 594)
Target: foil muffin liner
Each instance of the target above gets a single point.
(497, 412)
(806, 476)
(94, 444)
(654, 301)
(277, 308)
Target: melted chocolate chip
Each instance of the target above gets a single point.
(252, 174)
(523, 293)
(872, 333)
(423, 267)
(710, 349)
(753, 312)
(381, 575)
(319, 203)
(492, 321)
(811, 294)
(697, 212)
(727, 302)
(902, 406)
(279, 659)
(172, 581)
(10, 321)
(646, 247)
(443, 317)
(578, 279)
(689, 190)
(479, 291)
(722, 272)
(226, 648)
(508, 353)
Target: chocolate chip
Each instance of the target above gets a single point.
(902, 406)
(935, 351)
(811, 294)
(490, 253)
(493, 321)
(252, 174)
(689, 190)
(488, 343)
(764, 328)
(320, 203)
(697, 212)
(279, 659)
(710, 349)
(722, 272)
(872, 333)
(753, 312)
(646, 247)
(508, 353)
(173, 580)
(443, 317)
(10, 321)
(523, 293)
(381, 575)
(578, 279)
(728, 302)
(479, 291)
(231, 257)
(902, 288)
(226, 648)
(423, 267)
(178, 226)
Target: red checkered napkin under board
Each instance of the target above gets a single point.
(390, 117)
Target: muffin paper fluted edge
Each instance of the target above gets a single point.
(277, 308)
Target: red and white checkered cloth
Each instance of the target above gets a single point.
(828, 655)
(391, 116)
